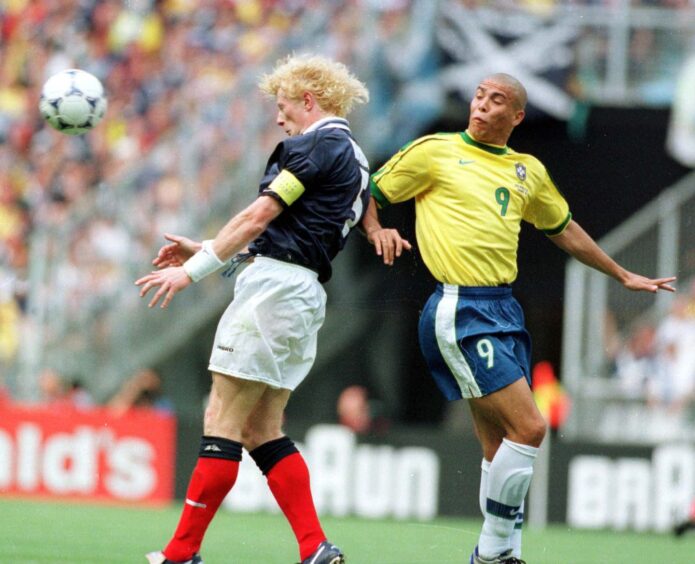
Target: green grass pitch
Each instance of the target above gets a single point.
(60, 533)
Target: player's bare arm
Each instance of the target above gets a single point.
(387, 242)
(578, 243)
(232, 238)
(246, 226)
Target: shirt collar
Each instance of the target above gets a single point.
(494, 149)
(330, 121)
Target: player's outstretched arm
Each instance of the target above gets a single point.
(210, 256)
(387, 242)
(578, 243)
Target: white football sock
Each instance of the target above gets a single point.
(508, 481)
(516, 535)
(482, 496)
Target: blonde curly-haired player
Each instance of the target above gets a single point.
(313, 192)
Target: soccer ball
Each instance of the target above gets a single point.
(73, 101)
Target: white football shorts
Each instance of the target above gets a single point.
(269, 332)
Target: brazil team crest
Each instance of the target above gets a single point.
(520, 171)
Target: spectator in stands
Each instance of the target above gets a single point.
(10, 315)
(5, 396)
(53, 389)
(57, 391)
(78, 395)
(687, 524)
(673, 385)
(357, 412)
(636, 362)
(142, 390)
(353, 409)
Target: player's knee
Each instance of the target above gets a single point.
(534, 432)
(253, 436)
(217, 423)
(530, 431)
(248, 438)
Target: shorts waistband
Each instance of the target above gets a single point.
(269, 260)
(501, 291)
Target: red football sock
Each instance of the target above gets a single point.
(289, 482)
(211, 481)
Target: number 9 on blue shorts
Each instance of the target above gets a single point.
(474, 340)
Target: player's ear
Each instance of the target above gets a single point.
(518, 117)
(309, 100)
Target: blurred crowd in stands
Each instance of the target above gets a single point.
(60, 393)
(169, 68)
(178, 75)
(656, 359)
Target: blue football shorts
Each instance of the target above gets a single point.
(474, 340)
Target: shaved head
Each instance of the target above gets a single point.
(496, 109)
(514, 88)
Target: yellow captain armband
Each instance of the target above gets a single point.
(287, 186)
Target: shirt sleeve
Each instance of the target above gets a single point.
(548, 210)
(302, 160)
(405, 175)
(293, 169)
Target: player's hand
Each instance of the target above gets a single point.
(639, 283)
(168, 282)
(388, 244)
(177, 252)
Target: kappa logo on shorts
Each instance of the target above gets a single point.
(226, 349)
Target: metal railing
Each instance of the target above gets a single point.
(601, 316)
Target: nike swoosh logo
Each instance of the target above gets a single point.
(462, 162)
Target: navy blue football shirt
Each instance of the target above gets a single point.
(334, 174)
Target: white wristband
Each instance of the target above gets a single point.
(203, 263)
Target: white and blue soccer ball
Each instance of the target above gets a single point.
(73, 101)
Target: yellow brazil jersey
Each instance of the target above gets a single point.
(470, 199)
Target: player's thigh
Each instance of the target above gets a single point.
(231, 402)
(510, 411)
(264, 423)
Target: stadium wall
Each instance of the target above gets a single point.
(422, 473)
(87, 454)
(406, 473)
